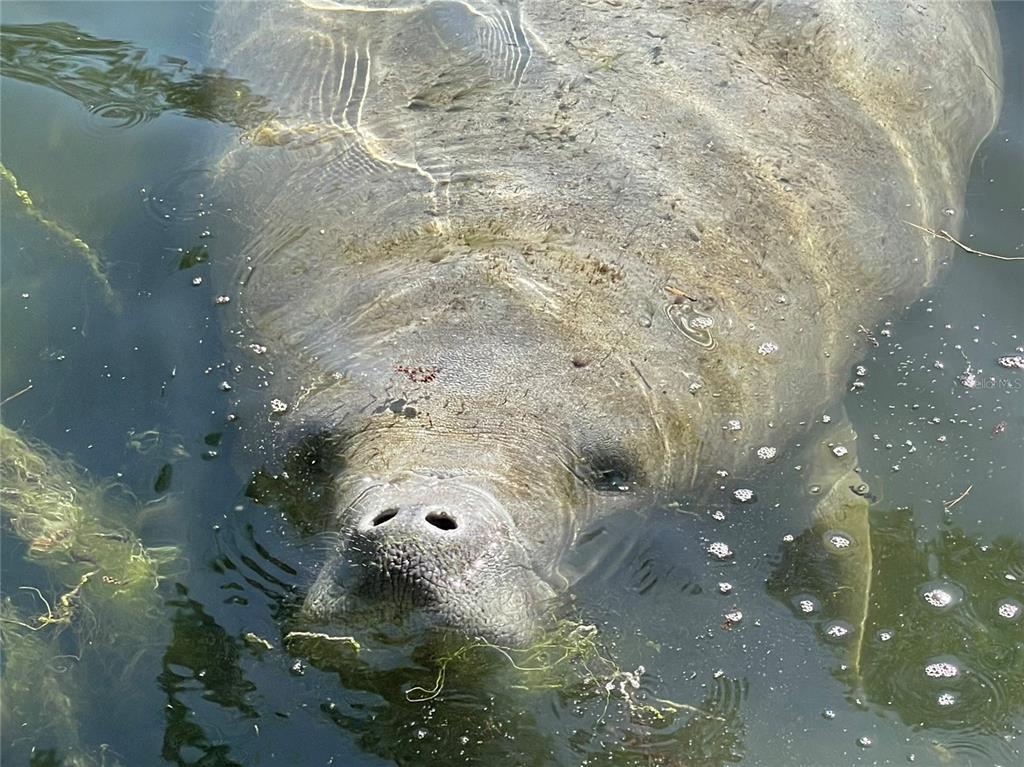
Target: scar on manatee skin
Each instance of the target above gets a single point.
(419, 373)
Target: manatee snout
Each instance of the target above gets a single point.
(448, 556)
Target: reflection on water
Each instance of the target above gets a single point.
(201, 661)
(114, 80)
(694, 661)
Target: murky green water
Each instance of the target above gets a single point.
(113, 353)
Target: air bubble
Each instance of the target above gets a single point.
(838, 541)
(942, 670)
(743, 495)
(724, 587)
(692, 323)
(767, 453)
(1009, 609)
(702, 322)
(806, 604)
(839, 451)
(768, 347)
(278, 406)
(838, 630)
(968, 379)
(941, 595)
(720, 551)
(946, 699)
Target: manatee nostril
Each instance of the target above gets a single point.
(441, 521)
(384, 516)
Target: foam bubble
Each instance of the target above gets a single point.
(942, 670)
(1009, 609)
(720, 550)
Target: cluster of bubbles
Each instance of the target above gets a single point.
(942, 670)
(720, 551)
(838, 630)
(838, 541)
(1009, 609)
(806, 606)
(941, 596)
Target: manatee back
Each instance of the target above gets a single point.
(438, 172)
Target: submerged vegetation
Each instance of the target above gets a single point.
(106, 584)
(617, 713)
(63, 234)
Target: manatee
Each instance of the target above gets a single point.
(509, 266)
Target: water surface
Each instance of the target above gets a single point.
(108, 115)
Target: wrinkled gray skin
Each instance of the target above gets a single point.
(464, 219)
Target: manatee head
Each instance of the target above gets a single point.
(447, 551)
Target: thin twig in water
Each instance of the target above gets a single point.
(15, 395)
(691, 709)
(950, 504)
(673, 291)
(942, 234)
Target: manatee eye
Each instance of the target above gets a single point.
(611, 471)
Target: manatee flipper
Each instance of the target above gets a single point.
(840, 524)
(831, 561)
